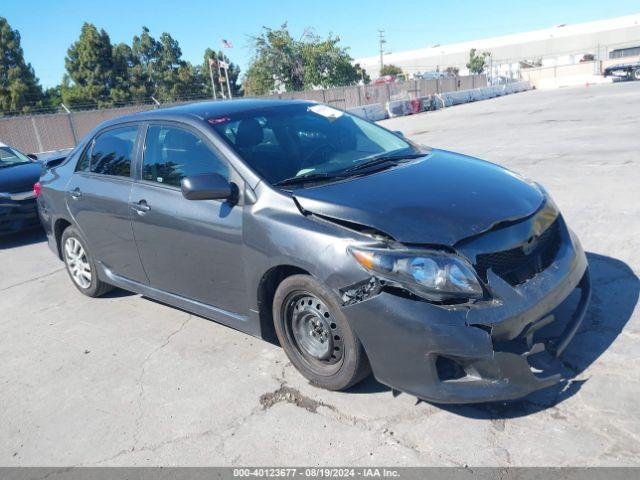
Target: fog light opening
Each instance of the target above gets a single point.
(449, 369)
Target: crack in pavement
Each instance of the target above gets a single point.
(141, 377)
(155, 446)
(34, 279)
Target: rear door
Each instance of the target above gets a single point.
(98, 199)
(191, 248)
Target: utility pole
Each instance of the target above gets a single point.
(381, 41)
(213, 85)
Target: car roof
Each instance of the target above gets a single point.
(206, 110)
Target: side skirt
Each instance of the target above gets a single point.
(230, 319)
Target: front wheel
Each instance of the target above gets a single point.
(316, 336)
(80, 266)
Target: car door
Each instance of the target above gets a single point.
(191, 248)
(98, 199)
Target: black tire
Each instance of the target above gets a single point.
(95, 287)
(301, 301)
(636, 74)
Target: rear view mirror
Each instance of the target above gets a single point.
(206, 186)
(399, 133)
(32, 156)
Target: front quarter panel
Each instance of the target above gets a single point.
(277, 233)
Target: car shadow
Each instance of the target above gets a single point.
(615, 289)
(20, 239)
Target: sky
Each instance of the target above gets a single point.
(48, 28)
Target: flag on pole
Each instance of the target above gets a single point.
(212, 62)
(226, 43)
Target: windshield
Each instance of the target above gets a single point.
(10, 157)
(284, 142)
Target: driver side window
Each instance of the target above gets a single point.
(172, 153)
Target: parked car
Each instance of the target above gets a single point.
(629, 70)
(18, 174)
(384, 79)
(352, 247)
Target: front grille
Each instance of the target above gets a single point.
(516, 266)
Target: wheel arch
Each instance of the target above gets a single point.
(266, 290)
(60, 225)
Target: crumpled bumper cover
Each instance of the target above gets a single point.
(493, 344)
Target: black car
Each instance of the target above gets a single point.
(354, 248)
(18, 175)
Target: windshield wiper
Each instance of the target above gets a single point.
(382, 159)
(309, 177)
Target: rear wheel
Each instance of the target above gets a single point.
(636, 74)
(316, 335)
(80, 266)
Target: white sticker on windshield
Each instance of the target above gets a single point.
(325, 111)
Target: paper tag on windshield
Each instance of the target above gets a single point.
(325, 111)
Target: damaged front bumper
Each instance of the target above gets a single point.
(488, 351)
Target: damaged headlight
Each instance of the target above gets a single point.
(430, 274)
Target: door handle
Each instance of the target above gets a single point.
(75, 193)
(141, 207)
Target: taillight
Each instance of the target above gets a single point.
(36, 189)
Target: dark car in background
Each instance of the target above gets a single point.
(448, 277)
(628, 70)
(18, 174)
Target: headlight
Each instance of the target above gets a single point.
(429, 274)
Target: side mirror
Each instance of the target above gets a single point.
(32, 156)
(206, 186)
(399, 133)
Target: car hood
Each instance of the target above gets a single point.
(19, 178)
(441, 199)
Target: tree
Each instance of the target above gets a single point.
(452, 71)
(157, 69)
(477, 61)
(281, 62)
(258, 80)
(390, 70)
(218, 74)
(362, 74)
(53, 97)
(145, 51)
(89, 63)
(20, 91)
(122, 87)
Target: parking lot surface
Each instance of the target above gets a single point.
(123, 380)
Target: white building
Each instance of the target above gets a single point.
(560, 45)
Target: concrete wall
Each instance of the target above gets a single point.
(538, 76)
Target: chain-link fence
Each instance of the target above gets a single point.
(48, 132)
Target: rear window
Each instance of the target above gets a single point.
(110, 153)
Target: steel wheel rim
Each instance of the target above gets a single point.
(77, 262)
(313, 332)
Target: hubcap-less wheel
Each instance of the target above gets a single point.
(77, 262)
(312, 330)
